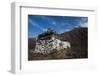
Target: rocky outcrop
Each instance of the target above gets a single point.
(48, 46)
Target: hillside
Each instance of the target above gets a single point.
(78, 38)
(31, 43)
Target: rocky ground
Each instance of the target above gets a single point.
(61, 54)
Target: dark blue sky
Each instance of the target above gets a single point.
(40, 23)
